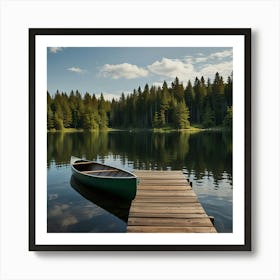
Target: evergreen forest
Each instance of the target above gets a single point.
(203, 104)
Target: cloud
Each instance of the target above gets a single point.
(201, 59)
(90, 211)
(221, 55)
(124, 70)
(52, 196)
(159, 84)
(68, 221)
(76, 70)
(55, 49)
(185, 68)
(209, 70)
(109, 96)
(57, 210)
(172, 68)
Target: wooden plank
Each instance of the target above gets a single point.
(167, 190)
(153, 172)
(166, 229)
(165, 202)
(177, 222)
(169, 199)
(156, 210)
(84, 162)
(164, 193)
(97, 171)
(163, 182)
(163, 187)
(166, 174)
(163, 176)
(167, 215)
(142, 207)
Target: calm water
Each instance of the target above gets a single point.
(206, 159)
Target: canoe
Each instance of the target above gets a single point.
(110, 179)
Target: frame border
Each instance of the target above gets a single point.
(246, 32)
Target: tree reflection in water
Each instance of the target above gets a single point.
(200, 154)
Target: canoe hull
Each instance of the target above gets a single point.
(121, 187)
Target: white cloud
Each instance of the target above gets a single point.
(75, 69)
(52, 196)
(109, 96)
(221, 55)
(187, 68)
(68, 221)
(173, 68)
(188, 59)
(55, 49)
(209, 70)
(124, 70)
(201, 59)
(57, 210)
(159, 84)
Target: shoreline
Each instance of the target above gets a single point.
(192, 129)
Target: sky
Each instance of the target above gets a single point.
(116, 70)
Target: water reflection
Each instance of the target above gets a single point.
(203, 154)
(116, 206)
(206, 159)
(69, 211)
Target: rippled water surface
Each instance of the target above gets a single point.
(205, 157)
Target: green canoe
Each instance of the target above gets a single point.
(114, 180)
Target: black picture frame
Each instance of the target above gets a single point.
(244, 32)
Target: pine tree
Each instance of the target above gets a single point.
(208, 118)
(177, 90)
(220, 105)
(227, 122)
(181, 116)
(164, 104)
(50, 116)
(189, 99)
(156, 120)
(58, 122)
(228, 91)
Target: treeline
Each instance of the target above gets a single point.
(75, 111)
(204, 103)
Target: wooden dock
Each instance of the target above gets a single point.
(165, 202)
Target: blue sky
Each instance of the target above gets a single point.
(112, 70)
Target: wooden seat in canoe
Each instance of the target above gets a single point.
(82, 162)
(98, 171)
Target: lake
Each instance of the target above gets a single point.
(205, 158)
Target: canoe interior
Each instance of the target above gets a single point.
(100, 170)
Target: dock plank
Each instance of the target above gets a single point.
(178, 182)
(171, 199)
(164, 187)
(194, 222)
(151, 193)
(161, 229)
(168, 215)
(165, 202)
